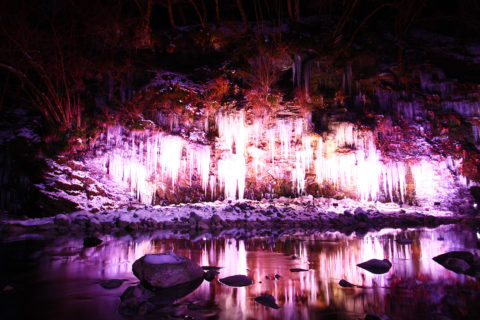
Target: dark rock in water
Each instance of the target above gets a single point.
(132, 298)
(112, 284)
(138, 300)
(359, 210)
(61, 220)
(376, 266)
(210, 275)
(298, 270)
(90, 242)
(216, 219)
(145, 308)
(202, 225)
(195, 216)
(238, 280)
(207, 268)
(403, 241)
(475, 191)
(267, 300)
(362, 217)
(166, 270)
(463, 262)
(244, 206)
(345, 284)
(372, 316)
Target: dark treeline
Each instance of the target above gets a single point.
(56, 56)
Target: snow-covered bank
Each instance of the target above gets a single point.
(307, 212)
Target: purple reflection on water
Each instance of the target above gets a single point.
(61, 279)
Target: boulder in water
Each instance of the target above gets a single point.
(238, 280)
(376, 266)
(298, 270)
(90, 242)
(463, 262)
(267, 300)
(112, 284)
(166, 270)
(139, 300)
(210, 275)
(345, 284)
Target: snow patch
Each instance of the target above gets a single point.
(168, 258)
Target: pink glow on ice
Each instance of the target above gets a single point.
(146, 160)
(253, 153)
(231, 171)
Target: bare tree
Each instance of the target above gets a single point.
(201, 17)
(243, 15)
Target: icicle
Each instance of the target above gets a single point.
(231, 173)
(297, 71)
(203, 165)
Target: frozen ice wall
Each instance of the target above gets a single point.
(270, 156)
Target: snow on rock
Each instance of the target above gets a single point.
(168, 258)
(166, 270)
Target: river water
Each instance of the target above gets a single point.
(59, 279)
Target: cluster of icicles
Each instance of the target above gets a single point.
(245, 152)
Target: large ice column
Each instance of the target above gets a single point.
(142, 160)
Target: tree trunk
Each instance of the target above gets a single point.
(242, 13)
(204, 12)
(200, 17)
(170, 14)
(297, 11)
(182, 14)
(148, 13)
(289, 8)
(217, 11)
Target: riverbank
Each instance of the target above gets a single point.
(260, 217)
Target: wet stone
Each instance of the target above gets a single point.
(345, 284)
(463, 262)
(207, 268)
(376, 266)
(90, 242)
(112, 284)
(268, 301)
(166, 270)
(210, 275)
(62, 220)
(238, 280)
(298, 270)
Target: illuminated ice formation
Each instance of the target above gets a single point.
(268, 153)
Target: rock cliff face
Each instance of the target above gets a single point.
(276, 155)
(192, 144)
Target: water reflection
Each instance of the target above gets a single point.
(63, 272)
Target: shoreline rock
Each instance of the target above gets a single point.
(216, 217)
(166, 270)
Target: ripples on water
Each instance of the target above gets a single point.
(60, 279)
